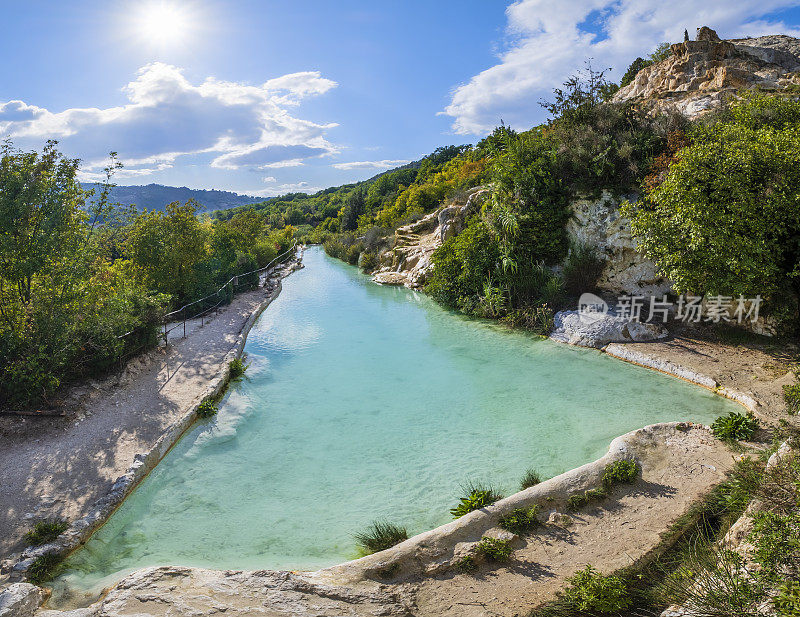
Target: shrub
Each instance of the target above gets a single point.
(45, 531)
(624, 471)
(477, 496)
(582, 268)
(207, 408)
(531, 478)
(735, 426)
(44, 568)
(237, 368)
(494, 549)
(537, 319)
(594, 592)
(791, 394)
(368, 261)
(379, 536)
(520, 520)
(733, 495)
(577, 501)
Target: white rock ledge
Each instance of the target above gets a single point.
(573, 328)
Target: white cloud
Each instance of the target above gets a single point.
(385, 164)
(269, 179)
(283, 189)
(167, 117)
(548, 41)
(280, 164)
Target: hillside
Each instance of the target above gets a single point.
(157, 196)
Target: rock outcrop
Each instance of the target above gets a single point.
(20, 600)
(597, 223)
(699, 74)
(598, 331)
(408, 262)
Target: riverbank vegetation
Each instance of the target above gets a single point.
(84, 283)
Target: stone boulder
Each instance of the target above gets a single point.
(598, 331)
(20, 600)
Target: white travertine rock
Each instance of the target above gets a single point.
(20, 600)
(573, 328)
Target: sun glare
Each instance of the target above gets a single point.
(163, 23)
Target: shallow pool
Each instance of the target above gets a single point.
(366, 402)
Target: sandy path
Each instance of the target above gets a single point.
(60, 466)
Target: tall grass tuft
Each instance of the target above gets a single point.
(477, 495)
(531, 478)
(379, 536)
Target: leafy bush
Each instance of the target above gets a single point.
(379, 536)
(733, 495)
(791, 394)
(45, 531)
(582, 268)
(477, 496)
(537, 319)
(577, 500)
(726, 217)
(44, 568)
(531, 478)
(593, 592)
(520, 520)
(494, 549)
(207, 408)
(624, 471)
(735, 426)
(237, 368)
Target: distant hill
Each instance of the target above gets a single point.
(157, 196)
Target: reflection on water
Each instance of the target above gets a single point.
(366, 402)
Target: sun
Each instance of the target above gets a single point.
(163, 23)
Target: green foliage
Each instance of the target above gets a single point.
(237, 368)
(537, 319)
(624, 471)
(590, 591)
(45, 531)
(577, 500)
(379, 536)
(477, 496)
(733, 495)
(44, 568)
(466, 564)
(207, 408)
(726, 217)
(735, 426)
(633, 69)
(791, 394)
(494, 549)
(520, 520)
(787, 602)
(582, 268)
(531, 478)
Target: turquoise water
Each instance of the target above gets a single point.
(365, 402)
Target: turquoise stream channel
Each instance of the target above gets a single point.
(367, 402)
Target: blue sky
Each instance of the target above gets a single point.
(270, 96)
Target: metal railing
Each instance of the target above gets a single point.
(224, 294)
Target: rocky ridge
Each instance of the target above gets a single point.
(699, 74)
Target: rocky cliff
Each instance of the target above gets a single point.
(409, 260)
(699, 74)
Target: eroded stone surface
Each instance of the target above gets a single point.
(20, 600)
(573, 328)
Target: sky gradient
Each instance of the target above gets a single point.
(265, 97)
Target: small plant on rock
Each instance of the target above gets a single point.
(237, 368)
(494, 549)
(593, 592)
(207, 408)
(531, 478)
(466, 564)
(45, 531)
(624, 471)
(379, 536)
(520, 520)
(477, 496)
(735, 426)
(44, 568)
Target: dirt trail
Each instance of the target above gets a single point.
(58, 467)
